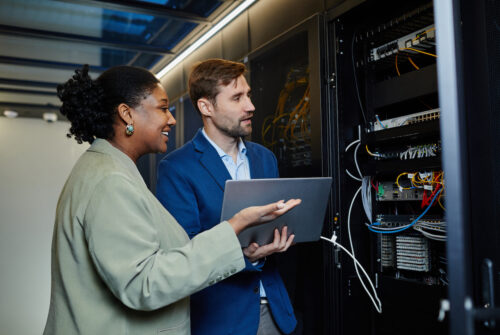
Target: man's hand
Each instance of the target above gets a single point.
(255, 252)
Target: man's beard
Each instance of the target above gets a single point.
(235, 131)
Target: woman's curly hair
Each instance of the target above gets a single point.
(90, 105)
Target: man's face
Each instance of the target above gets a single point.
(233, 109)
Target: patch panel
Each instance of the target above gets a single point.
(394, 221)
(387, 251)
(422, 39)
(425, 116)
(412, 253)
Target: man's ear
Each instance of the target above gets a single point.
(205, 106)
(125, 113)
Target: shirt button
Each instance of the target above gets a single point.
(256, 289)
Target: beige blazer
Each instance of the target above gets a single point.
(121, 264)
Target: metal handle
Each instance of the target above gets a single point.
(487, 289)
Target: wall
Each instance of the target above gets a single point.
(36, 157)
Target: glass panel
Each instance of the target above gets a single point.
(202, 8)
(139, 28)
(280, 87)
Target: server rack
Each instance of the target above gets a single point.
(412, 114)
(390, 200)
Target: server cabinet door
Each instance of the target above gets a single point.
(468, 74)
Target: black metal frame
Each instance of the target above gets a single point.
(16, 105)
(450, 74)
(143, 8)
(24, 91)
(53, 35)
(45, 63)
(32, 83)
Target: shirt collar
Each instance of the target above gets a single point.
(242, 149)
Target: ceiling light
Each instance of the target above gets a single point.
(237, 11)
(10, 114)
(49, 117)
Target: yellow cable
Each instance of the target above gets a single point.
(413, 63)
(439, 201)
(397, 182)
(370, 153)
(292, 122)
(419, 51)
(396, 64)
(425, 32)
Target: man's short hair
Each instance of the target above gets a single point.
(207, 76)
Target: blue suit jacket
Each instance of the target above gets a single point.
(190, 185)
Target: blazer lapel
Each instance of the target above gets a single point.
(210, 160)
(256, 168)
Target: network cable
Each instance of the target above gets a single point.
(373, 227)
(366, 199)
(355, 160)
(377, 304)
(379, 308)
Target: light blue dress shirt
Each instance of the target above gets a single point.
(238, 171)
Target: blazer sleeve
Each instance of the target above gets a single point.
(124, 246)
(177, 195)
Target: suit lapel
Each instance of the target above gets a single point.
(210, 160)
(256, 168)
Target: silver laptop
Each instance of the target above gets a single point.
(305, 220)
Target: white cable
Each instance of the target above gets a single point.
(378, 306)
(356, 160)
(347, 171)
(379, 309)
(430, 235)
(387, 228)
(351, 144)
(352, 176)
(335, 243)
(437, 226)
(366, 197)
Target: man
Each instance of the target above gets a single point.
(191, 184)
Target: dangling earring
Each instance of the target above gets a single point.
(129, 129)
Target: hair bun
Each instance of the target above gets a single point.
(81, 102)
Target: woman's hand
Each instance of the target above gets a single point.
(255, 215)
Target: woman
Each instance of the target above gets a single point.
(120, 263)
